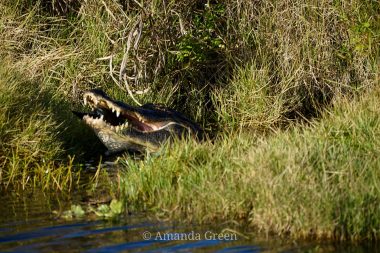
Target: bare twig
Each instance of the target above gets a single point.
(133, 37)
(129, 90)
(122, 73)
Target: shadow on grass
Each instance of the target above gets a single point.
(38, 120)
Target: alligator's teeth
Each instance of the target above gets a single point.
(113, 109)
(85, 100)
(117, 113)
(118, 128)
(101, 117)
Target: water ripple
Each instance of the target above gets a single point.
(35, 229)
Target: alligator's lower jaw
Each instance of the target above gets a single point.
(118, 138)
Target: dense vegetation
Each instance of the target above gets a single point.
(287, 91)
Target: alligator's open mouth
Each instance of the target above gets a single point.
(115, 115)
(120, 126)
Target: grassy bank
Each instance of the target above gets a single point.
(318, 180)
(286, 91)
(30, 147)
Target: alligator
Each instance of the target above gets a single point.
(122, 127)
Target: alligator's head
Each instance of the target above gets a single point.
(123, 127)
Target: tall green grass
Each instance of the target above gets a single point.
(30, 149)
(317, 180)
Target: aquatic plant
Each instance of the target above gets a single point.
(113, 210)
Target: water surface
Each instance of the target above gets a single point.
(28, 223)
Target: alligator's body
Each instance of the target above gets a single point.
(123, 127)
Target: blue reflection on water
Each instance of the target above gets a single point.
(37, 230)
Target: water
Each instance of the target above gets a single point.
(28, 224)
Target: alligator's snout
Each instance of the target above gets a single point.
(124, 127)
